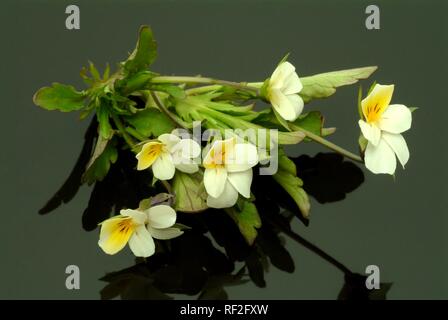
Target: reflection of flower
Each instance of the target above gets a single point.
(168, 153)
(282, 91)
(228, 171)
(382, 128)
(138, 228)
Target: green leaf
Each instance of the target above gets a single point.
(173, 90)
(290, 137)
(293, 186)
(59, 97)
(189, 192)
(105, 128)
(150, 122)
(101, 161)
(136, 82)
(311, 121)
(286, 164)
(324, 85)
(106, 72)
(247, 219)
(94, 72)
(145, 52)
(328, 131)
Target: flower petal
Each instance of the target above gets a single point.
(163, 168)
(227, 198)
(215, 180)
(380, 158)
(115, 233)
(292, 84)
(396, 119)
(280, 74)
(398, 145)
(184, 153)
(165, 234)
(243, 157)
(137, 216)
(297, 102)
(376, 102)
(242, 181)
(370, 131)
(161, 216)
(187, 148)
(169, 140)
(149, 153)
(141, 242)
(289, 107)
(187, 166)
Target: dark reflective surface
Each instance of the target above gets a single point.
(213, 254)
(397, 224)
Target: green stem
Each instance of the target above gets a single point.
(165, 110)
(202, 80)
(328, 144)
(137, 135)
(203, 89)
(122, 130)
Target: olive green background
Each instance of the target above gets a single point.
(400, 225)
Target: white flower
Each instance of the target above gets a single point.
(138, 228)
(282, 91)
(382, 128)
(228, 171)
(168, 153)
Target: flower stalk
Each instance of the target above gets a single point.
(203, 80)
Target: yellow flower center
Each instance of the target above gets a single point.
(374, 112)
(217, 157)
(216, 160)
(125, 225)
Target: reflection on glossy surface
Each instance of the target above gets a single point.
(213, 254)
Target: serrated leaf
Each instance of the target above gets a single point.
(293, 186)
(145, 52)
(99, 167)
(105, 129)
(189, 192)
(150, 122)
(60, 97)
(324, 85)
(247, 219)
